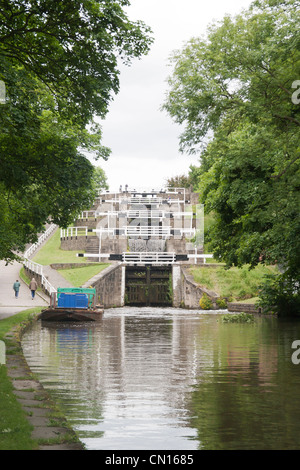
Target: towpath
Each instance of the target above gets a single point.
(9, 305)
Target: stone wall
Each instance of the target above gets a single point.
(240, 307)
(192, 292)
(90, 223)
(32, 274)
(174, 245)
(116, 245)
(177, 285)
(58, 266)
(109, 285)
(73, 244)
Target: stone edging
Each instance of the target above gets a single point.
(58, 266)
(52, 432)
(240, 307)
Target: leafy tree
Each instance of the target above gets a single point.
(185, 181)
(73, 46)
(233, 91)
(59, 65)
(180, 181)
(99, 179)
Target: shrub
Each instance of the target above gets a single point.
(221, 303)
(205, 302)
(280, 294)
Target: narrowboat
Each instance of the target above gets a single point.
(73, 304)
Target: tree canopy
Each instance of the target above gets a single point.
(234, 92)
(73, 46)
(59, 64)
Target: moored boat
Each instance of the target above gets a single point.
(72, 304)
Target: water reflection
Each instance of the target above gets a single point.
(144, 378)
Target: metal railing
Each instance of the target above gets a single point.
(148, 257)
(146, 231)
(143, 214)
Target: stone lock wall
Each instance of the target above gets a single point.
(109, 285)
(191, 292)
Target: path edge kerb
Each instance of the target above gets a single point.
(68, 439)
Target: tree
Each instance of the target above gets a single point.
(179, 181)
(99, 179)
(234, 93)
(59, 65)
(72, 46)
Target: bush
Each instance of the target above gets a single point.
(205, 302)
(280, 294)
(221, 303)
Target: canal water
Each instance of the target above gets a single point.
(172, 379)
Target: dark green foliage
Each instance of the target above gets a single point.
(73, 47)
(233, 92)
(281, 295)
(59, 66)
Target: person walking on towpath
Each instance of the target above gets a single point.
(16, 288)
(33, 287)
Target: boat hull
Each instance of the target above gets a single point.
(69, 314)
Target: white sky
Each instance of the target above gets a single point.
(143, 139)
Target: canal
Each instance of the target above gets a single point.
(172, 379)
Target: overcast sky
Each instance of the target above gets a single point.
(144, 140)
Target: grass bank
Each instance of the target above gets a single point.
(15, 429)
(51, 253)
(236, 284)
(79, 276)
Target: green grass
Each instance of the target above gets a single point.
(51, 253)
(15, 320)
(15, 429)
(79, 276)
(252, 301)
(236, 283)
